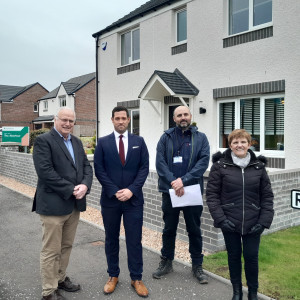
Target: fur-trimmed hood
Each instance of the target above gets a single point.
(226, 155)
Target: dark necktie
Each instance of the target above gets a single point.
(121, 150)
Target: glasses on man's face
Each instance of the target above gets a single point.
(66, 120)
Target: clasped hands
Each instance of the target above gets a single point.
(123, 195)
(177, 185)
(80, 191)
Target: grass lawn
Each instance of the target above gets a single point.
(279, 264)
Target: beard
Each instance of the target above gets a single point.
(184, 125)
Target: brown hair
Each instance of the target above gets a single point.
(239, 134)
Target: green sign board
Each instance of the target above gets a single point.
(18, 135)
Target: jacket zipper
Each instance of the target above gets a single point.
(243, 201)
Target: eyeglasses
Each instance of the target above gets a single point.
(66, 120)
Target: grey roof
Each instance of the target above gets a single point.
(139, 12)
(9, 92)
(176, 81)
(44, 118)
(72, 85)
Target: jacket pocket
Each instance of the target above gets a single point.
(227, 205)
(255, 206)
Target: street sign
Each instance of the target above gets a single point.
(18, 135)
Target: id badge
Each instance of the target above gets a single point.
(177, 159)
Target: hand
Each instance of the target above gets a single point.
(257, 229)
(227, 226)
(124, 194)
(80, 191)
(177, 184)
(179, 192)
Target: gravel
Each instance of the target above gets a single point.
(151, 239)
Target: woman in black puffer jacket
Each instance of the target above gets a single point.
(240, 200)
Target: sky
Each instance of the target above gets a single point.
(50, 41)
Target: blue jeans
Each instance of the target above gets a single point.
(192, 216)
(248, 244)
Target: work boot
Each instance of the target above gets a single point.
(237, 291)
(165, 267)
(199, 274)
(252, 294)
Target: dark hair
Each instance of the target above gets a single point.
(119, 108)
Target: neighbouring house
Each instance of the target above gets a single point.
(78, 93)
(19, 104)
(235, 63)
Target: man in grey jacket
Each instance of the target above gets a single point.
(64, 178)
(182, 158)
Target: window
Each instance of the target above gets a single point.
(62, 101)
(134, 125)
(130, 46)
(262, 117)
(245, 15)
(35, 107)
(45, 106)
(181, 26)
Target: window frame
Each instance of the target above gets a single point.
(45, 105)
(131, 110)
(237, 101)
(131, 30)
(62, 99)
(251, 15)
(35, 107)
(176, 26)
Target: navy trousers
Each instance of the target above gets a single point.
(236, 244)
(192, 216)
(133, 222)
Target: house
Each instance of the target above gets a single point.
(78, 93)
(19, 104)
(234, 63)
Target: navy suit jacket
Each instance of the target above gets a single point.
(113, 176)
(58, 175)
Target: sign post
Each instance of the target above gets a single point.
(16, 135)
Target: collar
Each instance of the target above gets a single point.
(68, 138)
(180, 132)
(117, 134)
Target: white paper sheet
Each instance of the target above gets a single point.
(192, 196)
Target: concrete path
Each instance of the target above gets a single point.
(20, 237)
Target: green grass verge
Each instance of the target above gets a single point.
(279, 264)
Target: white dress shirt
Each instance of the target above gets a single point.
(124, 139)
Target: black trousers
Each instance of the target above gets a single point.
(192, 216)
(237, 244)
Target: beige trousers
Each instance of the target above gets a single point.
(58, 237)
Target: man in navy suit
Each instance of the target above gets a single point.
(121, 164)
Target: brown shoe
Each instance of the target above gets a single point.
(140, 288)
(110, 285)
(54, 296)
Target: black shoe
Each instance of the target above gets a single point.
(54, 296)
(165, 267)
(68, 286)
(237, 291)
(252, 294)
(199, 274)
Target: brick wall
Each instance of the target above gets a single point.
(20, 111)
(20, 167)
(85, 107)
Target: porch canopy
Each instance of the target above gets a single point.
(162, 84)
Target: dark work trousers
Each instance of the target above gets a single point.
(133, 222)
(236, 244)
(192, 216)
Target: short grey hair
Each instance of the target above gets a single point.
(65, 108)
